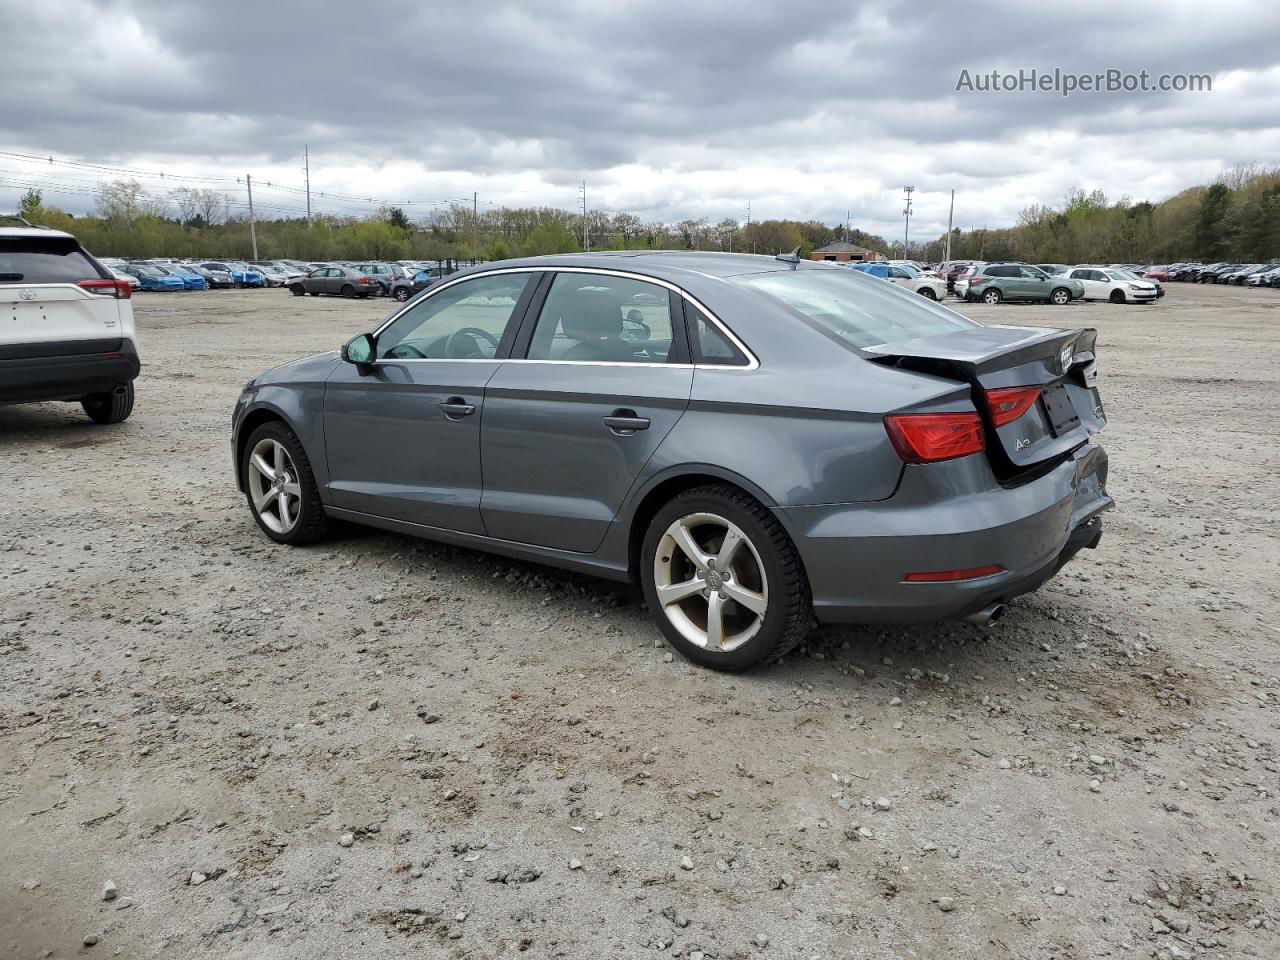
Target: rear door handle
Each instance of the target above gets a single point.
(625, 422)
(455, 408)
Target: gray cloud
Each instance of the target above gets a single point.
(667, 109)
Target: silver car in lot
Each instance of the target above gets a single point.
(753, 440)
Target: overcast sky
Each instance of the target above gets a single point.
(667, 109)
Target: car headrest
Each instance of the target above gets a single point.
(592, 314)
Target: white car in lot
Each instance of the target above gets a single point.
(1117, 286)
(66, 325)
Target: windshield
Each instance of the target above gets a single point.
(857, 308)
(1121, 275)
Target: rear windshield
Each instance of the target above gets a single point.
(856, 308)
(44, 260)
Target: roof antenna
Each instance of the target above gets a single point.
(792, 258)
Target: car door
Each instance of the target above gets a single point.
(598, 377)
(402, 434)
(1033, 284)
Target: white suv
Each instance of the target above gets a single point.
(66, 324)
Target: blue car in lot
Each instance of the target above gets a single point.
(190, 279)
(153, 278)
(241, 273)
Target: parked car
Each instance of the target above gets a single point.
(1053, 269)
(154, 279)
(115, 267)
(1117, 286)
(214, 278)
(1214, 272)
(1184, 271)
(1239, 276)
(338, 281)
(68, 332)
(242, 275)
(1020, 281)
(927, 285)
(960, 286)
(753, 441)
(190, 279)
(272, 275)
(1155, 273)
(384, 273)
(1265, 278)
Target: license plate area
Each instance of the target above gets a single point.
(1062, 412)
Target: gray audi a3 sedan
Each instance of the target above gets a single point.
(754, 440)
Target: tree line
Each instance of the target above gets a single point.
(1235, 218)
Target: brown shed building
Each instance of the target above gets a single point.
(842, 252)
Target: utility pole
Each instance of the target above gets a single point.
(586, 237)
(253, 230)
(475, 226)
(306, 167)
(950, 217)
(906, 213)
(748, 230)
(848, 214)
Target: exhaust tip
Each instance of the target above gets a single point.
(987, 615)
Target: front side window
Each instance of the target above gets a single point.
(603, 319)
(855, 309)
(1031, 273)
(463, 322)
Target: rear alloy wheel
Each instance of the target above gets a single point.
(723, 580)
(401, 294)
(297, 290)
(928, 294)
(991, 296)
(280, 487)
(1060, 296)
(1117, 296)
(112, 407)
(348, 291)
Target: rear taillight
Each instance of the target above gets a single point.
(107, 288)
(1009, 403)
(974, 281)
(930, 437)
(365, 280)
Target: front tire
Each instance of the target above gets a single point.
(297, 290)
(280, 486)
(723, 580)
(113, 407)
(1117, 296)
(928, 294)
(1060, 296)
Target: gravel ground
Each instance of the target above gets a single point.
(382, 747)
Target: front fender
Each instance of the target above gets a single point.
(300, 408)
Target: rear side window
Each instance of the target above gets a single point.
(711, 347)
(44, 260)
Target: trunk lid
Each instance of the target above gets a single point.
(1061, 363)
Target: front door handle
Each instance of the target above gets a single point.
(455, 408)
(625, 423)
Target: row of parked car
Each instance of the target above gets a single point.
(400, 280)
(1244, 274)
(1056, 283)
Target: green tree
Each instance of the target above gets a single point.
(31, 206)
(1209, 239)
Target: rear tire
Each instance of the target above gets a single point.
(297, 290)
(348, 291)
(764, 570)
(113, 407)
(1060, 296)
(401, 294)
(302, 519)
(991, 297)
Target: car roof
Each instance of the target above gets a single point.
(33, 232)
(666, 263)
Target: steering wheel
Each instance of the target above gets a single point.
(474, 334)
(406, 351)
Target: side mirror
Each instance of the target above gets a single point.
(359, 350)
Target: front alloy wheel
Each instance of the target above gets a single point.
(1060, 296)
(280, 487)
